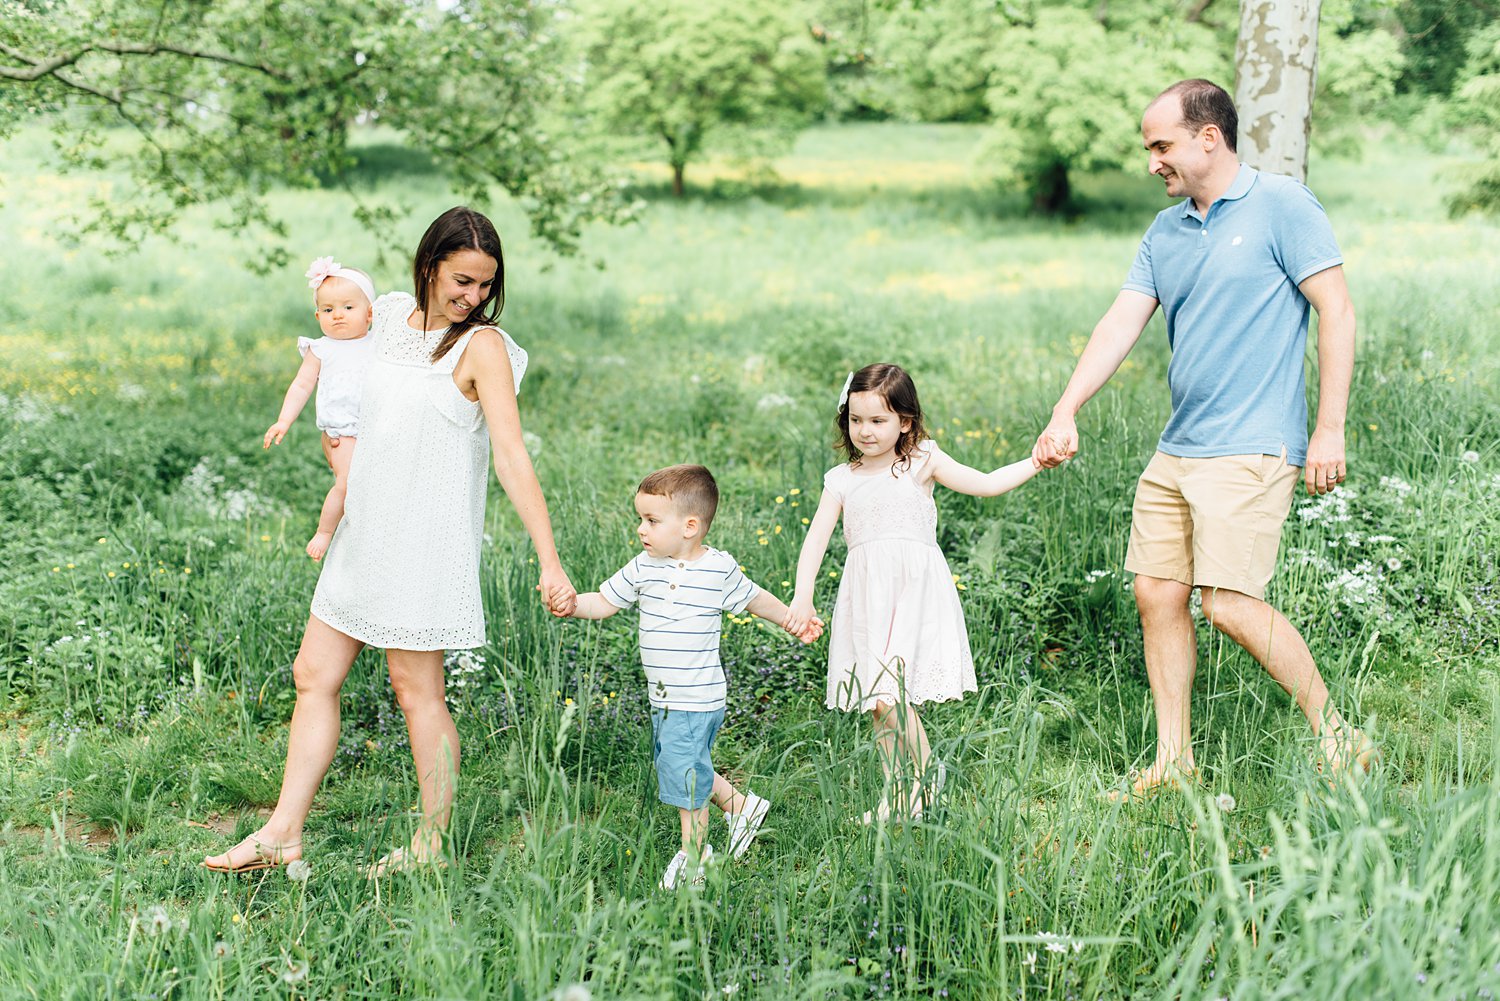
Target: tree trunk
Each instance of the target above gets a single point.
(1276, 69)
(1051, 194)
(677, 188)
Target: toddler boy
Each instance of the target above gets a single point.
(683, 588)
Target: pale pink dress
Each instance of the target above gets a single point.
(898, 629)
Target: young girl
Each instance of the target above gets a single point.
(898, 633)
(335, 364)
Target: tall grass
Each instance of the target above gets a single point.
(154, 595)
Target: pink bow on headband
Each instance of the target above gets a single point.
(322, 269)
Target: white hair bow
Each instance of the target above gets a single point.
(844, 393)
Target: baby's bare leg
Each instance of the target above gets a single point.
(340, 453)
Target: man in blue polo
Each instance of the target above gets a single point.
(1236, 268)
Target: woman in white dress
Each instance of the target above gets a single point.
(402, 572)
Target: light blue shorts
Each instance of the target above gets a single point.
(681, 742)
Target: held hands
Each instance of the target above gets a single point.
(808, 632)
(1057, 443)
(1326, 466)
(275, 433)
(802, 622)
(558, 593)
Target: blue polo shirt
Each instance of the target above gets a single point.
(1236, 321)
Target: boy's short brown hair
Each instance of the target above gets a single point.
(691, 489)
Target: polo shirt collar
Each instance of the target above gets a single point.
(1243, 182)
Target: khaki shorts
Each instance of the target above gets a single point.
(1212, 522)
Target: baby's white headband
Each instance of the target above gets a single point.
(326, 267)
(844, 393)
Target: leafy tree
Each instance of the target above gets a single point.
(683, 71)
(934, 59)
(1359, 66)
(1434, 39)
(1067, 91)
(844, 31)
(1477, 105)
(228, 98)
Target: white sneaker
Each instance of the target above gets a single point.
(673, 872)
(701, 876)
(745, 825)
(678, 867)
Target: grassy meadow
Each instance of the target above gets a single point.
(155, 589)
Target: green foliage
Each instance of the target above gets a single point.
(1478, 107)
(695, 74)
(1359, 65)
(230, 99)
(934, 60)
(1067, 93)
(1435, 38)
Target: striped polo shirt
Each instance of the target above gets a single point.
(682, 603)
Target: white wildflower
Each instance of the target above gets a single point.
(1356, 586)
(1052, 941)
(1471, 456)
(158, 921)
(533, 443)
(221, 949)
(1397, 486)
(731, 989)
(130, 392)
(1393, 564)
(773, 401)
(29, 411)
(295, 972)
(1225, 802)
(1030, 962)
(575, 992)
(298, 870)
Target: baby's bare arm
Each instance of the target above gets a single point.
(297, 395)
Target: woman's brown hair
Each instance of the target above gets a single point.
(460, 228)
(900, 395)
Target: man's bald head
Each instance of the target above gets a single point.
(1203, 103)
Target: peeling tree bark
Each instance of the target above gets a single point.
(1276, 69)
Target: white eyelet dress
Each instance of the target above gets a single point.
(402, 571)
(898, 629)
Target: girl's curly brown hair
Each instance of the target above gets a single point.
(900, 395)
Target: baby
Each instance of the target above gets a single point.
(335, 365)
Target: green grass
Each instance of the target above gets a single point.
(145, 712)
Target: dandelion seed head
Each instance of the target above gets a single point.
(1225, 802)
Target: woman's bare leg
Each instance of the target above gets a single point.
(322, 664)
(417, 677)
